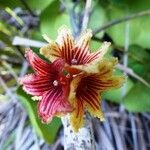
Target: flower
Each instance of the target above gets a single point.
(86, 90)
(74, 81)
(74, 52)
(50, 84)
(91, 73)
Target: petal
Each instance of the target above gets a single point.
(96, 112)
(65, 43)
(94, 82)
(51, 51)
(39, 65)
(111, 83)
(62, 48)
(58, 65)
(81, 48)
(106, 67)
(97, 56)
(53, 102)
(76, 118)
(85, 89)
(102, 66)
(36, 85)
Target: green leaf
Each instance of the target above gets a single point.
(52, 18)
(139, 30)
(47, 131)
(10, 3)
(94, 45)
(139, 60)
(39, 4)
(138, 99)
(115, 95)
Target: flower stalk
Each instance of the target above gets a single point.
(83, 139)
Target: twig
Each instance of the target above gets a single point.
(86, 15)
(73, 20)
(9, 68)
(23, 69)
(117, 135)
(14, 15)
(134, 134)
(27, 42)
(130, 72)
(125, 62)
(124, 19)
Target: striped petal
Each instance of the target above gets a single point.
(81, 48)
(53, 102)
(62, 48)
(39, 65)
(76, 118)
(51, 51)
(36, 85)
(111, 83)
(102, 66)
(57, 67)
(97, 56)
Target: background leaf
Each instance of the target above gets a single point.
(39, 4)
(138, 99)
(52, 18)
(46, 131)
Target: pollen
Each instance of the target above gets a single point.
(55, 83)
(73, 61)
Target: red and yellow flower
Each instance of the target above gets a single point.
(86, 76)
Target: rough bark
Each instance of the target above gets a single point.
(83, 139)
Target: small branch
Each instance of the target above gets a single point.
(124, 19)
(73, 19)
(14, 15)
(130, 72)
(125, 62)
(86, 15)
(19, 41)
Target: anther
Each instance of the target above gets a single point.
(73, 61)
(55, 83)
